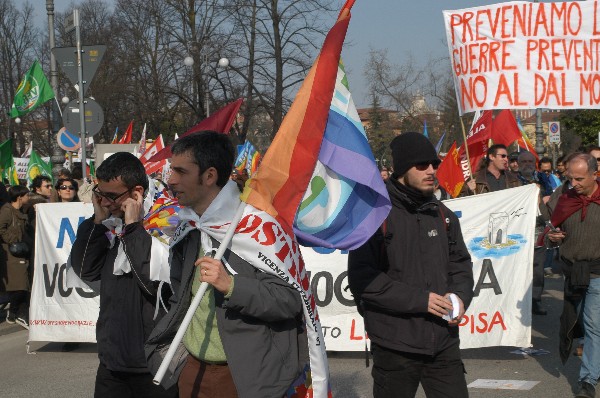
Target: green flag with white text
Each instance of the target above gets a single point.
(37, 167)
(33, 91)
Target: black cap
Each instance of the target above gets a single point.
(410, 149)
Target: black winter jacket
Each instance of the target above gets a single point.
(127, 301)
(390, 277)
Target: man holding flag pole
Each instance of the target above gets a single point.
(308, 150)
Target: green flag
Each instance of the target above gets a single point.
(92, 169)
(36, 167)
(8, 171)
(33, 91)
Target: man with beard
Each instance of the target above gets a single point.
(576, 216)
(413, 281)
(529, 175)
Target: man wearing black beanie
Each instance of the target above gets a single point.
(413, 281)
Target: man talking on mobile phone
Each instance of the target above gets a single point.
(115, 247)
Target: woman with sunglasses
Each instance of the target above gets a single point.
(67, 190)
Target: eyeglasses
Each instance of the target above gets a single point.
(425, 165)
(113, 197)
(502, 155)
(65, 187)
(49, 186)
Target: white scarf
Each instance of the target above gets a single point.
(260, 240)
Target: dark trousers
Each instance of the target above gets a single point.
(539, 258)
(202, 380)
(398, 374)
(19, 303)
(111, 384)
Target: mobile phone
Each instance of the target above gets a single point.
(552, 227)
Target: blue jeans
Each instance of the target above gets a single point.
(590, 361)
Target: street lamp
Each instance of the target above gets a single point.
(222, 63)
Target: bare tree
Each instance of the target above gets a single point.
(18, 44)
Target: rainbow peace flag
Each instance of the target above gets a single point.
(319, 176)
(248, 158)
(346, 200)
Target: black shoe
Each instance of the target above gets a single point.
(536, 309)
(586, 390)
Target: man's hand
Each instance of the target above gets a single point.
(471, 184)
(213, 272)
(439, 305)
(132, 208)
(556, 236)
(100, 213)
(461, 312)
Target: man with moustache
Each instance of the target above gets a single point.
(403, 277)
(495, 175)
(576, 218)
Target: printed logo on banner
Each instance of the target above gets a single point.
(498, 242)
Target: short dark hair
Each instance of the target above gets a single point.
(38, 181)
(494, 149)
(124, 165)
(64, 172)
(209, 149)
(77, 173)
(16, 191)
(545, 159)
(561, 159)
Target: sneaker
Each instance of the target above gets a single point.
(10, 318)
(22, 322)
(586, 390)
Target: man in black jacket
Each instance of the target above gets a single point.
(403, 279)
(113, 247)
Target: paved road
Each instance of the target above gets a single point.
(52, 373)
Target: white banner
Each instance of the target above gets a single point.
(500, 313)
(523, 55)
(499, 231)
(59, 313)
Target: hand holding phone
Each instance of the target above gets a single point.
(552, 227)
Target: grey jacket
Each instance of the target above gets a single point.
(260, 325)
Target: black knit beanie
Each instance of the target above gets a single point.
(410, 149)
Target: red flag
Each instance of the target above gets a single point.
(504, 128)
(220, 121)
(477, 139)
(126, 139)
(450, 174)
(481, 130)
(151, 166)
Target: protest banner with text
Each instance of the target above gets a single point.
(523, 55)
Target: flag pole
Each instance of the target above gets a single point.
(462, 125)
(197, 298)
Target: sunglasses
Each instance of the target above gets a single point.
(425, 165)
(65, 187)
(502, 155)
(598, 159)
(112, 197)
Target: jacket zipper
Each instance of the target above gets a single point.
(85, 251)
(133, 268)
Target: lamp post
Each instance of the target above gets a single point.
(222, 63)
(58, 155)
